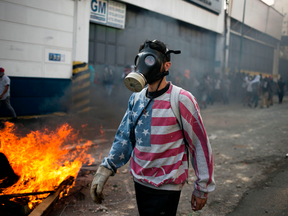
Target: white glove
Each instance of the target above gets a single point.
(98, 183)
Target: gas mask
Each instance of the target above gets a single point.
(148, 67)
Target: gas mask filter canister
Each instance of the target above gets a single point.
(135, 82)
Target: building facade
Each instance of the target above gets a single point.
(42, 39)
(282, 6)
(36, 46)
(253, 37)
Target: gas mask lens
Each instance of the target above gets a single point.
(150, 60)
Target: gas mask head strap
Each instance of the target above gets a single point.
(167, 54)
(172, 51)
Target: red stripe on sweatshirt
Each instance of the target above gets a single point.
(155, 171)
(193, 100)
(196, 129)
(148, 156)
(200, 133)
(163, 121)
(161, 104)
(160, 139)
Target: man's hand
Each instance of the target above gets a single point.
(98, 183)
(197, 203)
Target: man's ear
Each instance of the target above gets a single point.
(167, 66)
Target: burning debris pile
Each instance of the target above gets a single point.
(40, 161)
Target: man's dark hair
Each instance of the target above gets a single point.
(157, 45)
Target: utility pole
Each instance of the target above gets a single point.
(241, 40)
(225, 39)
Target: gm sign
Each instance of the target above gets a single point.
(108, 12)
(99, 10)
(98, 6)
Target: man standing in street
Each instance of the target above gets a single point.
(281, 87)
(265, 88)
(5, 92)
(150, 137)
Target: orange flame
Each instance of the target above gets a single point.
(42, 160)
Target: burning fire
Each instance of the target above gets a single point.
(42, 160)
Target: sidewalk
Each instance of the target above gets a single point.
(270, 197)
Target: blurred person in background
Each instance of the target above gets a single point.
(249, 92)
(255, 90)
(209, 85)
(108, 79)
(271, 91)
(281, 88)
(217, 88)
(5, 92)
(225, 89)
(203, 89)
(238, 84)
(194, 87)
(243, 87)
(186, 80)
(126, 71)
(265, 88)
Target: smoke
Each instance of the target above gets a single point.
(117, 48)
(197, 46)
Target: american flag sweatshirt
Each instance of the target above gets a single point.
(159, 159)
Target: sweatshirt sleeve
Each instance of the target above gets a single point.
(199, 145)
(121, 149)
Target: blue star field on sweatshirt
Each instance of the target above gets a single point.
(121, 149)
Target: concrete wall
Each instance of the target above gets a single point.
(32, 30)
(82, 17)
(177, 9)
(282, 7)
(184, 11)
(258, 15)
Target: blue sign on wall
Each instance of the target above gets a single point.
(56, 57)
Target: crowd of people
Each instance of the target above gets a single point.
(253, 91)
(236, 86)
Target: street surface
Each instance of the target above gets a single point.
(249, 148)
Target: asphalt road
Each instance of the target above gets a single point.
(270, 197)
(249, 148)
